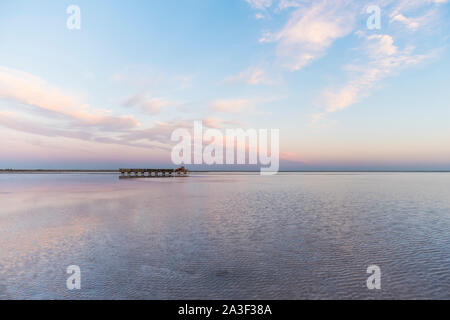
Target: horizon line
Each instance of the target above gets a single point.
(219, 171)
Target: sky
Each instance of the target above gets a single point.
(344, 95)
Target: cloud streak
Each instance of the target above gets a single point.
(259, 4)
(251, 76)
(14, 122)
(313, 27)
(232, 105)
(385, 59)
(149, 105)
(27, 89)
(310, 31)
(11, 121)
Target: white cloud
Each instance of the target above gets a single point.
(411, 23)
(260, 4)
(385, 59)
(217, 123)
(185, 81)
(232, 105)
(380, 46)
(310, 31)
(313, 27)
(252, 76)
(161, 131)
(416, 14)
(155, 105)
(149, 105)
(248, 105)
(284, 4)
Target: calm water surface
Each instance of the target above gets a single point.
(216, 236)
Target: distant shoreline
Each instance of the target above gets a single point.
(35, 171)
(55, 171)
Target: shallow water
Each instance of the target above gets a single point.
(216, 236)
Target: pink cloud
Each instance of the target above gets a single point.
(148, 105)
(232, 105)
(30, 90)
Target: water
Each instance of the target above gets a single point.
(216, 236)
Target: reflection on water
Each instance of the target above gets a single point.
(215, 236)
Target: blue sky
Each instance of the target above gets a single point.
(110, 94)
